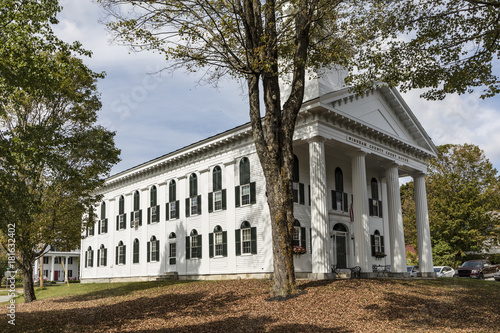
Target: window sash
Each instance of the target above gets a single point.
(194, 205)
(173, 209)
(218, 200)
(246, 239)
(122, 221)
(121, 254)
(218, 244)
(194, 246)
(245, 194)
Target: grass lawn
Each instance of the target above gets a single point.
(383, 305)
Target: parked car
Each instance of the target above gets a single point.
(413, 270)
(444, 271)
(478, 269)
(496, 276)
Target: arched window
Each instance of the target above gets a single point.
(244, 171)
(153, 249)
(375, 205)
(137, 203)
(154, 209)
(102, 255)
(299, 237)
(121, 205)
(172, 191)
(152, 194)
(339, 198)
(339, 227)
(89, 257)
(121, 218)
(246, 239)
(245, 192)
(135, 259)
(377, 243)
(218, 242)
(374, 189)
(193, 245)
(91, 223)
(217, 179)
(120, 254)
(172, 206)
(172, 248)
(103, 210)
(339, 180)
(193, 203)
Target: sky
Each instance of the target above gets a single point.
(154, 114)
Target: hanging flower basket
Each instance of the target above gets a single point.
(380, 255)
(298, 250)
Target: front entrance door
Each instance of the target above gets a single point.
(340, 245)
(56, 275)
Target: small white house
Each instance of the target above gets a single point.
(55, 261)
(200, 212)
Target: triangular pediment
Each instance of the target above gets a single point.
(384, 110)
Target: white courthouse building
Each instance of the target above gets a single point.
(201, 212)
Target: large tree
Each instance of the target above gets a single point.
(53, 155)
(449, 46)
(463, 195)
(259, 42)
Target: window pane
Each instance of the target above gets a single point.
(246, 241)
(194, 206)
(245, 195)
(218, 200)
(173, 208)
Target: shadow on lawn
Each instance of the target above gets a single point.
(460, 308)
(119, 289)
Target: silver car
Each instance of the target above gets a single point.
(444, 271)
(496, 276)
(413, 270)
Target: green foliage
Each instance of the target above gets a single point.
(462, 194)
(447, 46)
(494, 258)
(53, 154)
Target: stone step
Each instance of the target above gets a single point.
(168, 276)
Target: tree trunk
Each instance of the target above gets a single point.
(29, 290)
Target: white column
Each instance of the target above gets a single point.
(395, 215)
(66, 267)
(53, 258)
(319, 208)
(423, 229)
(361, 211)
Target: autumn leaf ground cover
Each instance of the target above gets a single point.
(366, 305)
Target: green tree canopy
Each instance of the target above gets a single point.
(463, 196)
(53, 155)
(449, 46)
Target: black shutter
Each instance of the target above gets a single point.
(210, 202)
(105, 257)
(252, 193)
(370, 206)
(382, 244)
(199, 246)
(380, 209)
(199, 204)
(140, 216)
(98, 256)
(177, 209)
(346, 203)
(237, 195)
(131, 219)
(99, 227)
(92, 258)
(124, 254)
(117, 221)
(301, 194)
(224, 206)
(224, 243)
(105, 225)
(303, 237)
(253, 233)
(309, 193)
(187, 207)
(237, 237)
(167, 211)
(149, 215)
(86, 254)
(334, 200)
(372, 238)
(116, 256)
(149, 252)
(211, 245)
(157, 250)
(188, 247)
